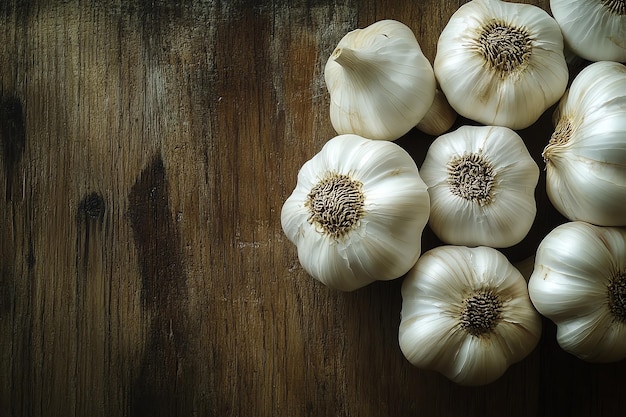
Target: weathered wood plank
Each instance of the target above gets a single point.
(147, 148)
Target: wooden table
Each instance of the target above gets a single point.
(146, 150)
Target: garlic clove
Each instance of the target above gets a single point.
(580, 335)
(478, 362)
(380, 83)
(501, 63)
(439, 118)
(357, 212)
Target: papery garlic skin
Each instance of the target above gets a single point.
(579, 282)
(466, 314)
(380, 83)
(586, 155)
(346, 242)
(593, 29)
(501, 63)
(490, 200)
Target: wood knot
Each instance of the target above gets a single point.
(92, 206)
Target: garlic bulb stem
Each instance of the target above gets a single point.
(347, 58)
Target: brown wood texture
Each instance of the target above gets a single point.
(146, 150)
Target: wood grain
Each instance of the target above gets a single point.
(147, 148)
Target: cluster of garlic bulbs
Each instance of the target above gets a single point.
(361, 204)
(579, 275)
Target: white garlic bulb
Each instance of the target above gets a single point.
(439, 118)
(466, 314)
(593, 29)
(579, 282)
(586, 156)
(501, 63)
(380, 83)
(357, 212)
(481, 181)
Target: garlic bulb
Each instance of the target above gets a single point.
(466, 314)
(501, 63)
(481, 181)
(357, 212)
(439, 118)
(586, 156)
(593, 29)
(380, 82)
(579, 282)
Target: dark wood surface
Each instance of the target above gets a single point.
(146, 150)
